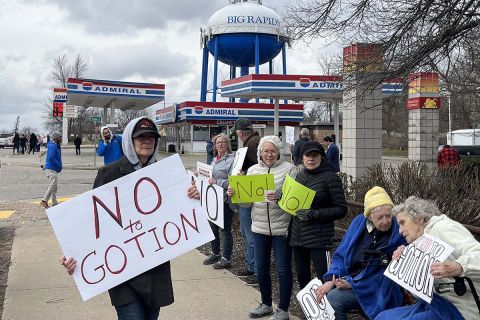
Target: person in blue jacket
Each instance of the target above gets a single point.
(53, 166)
(333, 154)
(355, 278)
(110, 146)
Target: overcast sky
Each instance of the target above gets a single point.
(155, 41)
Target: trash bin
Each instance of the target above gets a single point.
(171, 148)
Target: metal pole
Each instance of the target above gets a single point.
(449, 118)
(336, 124)
(215, 71)
(276, 118)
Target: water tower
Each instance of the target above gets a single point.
(243, 34)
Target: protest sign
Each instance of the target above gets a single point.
(238, 161)
(312, 309)
(290, 135)
(250, 188)
(204, 170)
(295, 196)
(412, 270)
(130, 225)
(211, 199)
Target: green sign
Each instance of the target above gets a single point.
(250, 188)
(295, 196)
(96, 119)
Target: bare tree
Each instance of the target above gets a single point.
(123, 117)
(17, 125)
(412, 33)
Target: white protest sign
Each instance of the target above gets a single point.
(412, 270)
(211, 199)
(130, 225)
(311, 308)
(204, 170)
(290, 134)
(238, 161)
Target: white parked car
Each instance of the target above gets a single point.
(6, 140)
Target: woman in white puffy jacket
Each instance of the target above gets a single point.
(269, 227)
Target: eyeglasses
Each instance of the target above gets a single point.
(221, 142)
(146, 136)
(270, 151)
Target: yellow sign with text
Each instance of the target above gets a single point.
(295, 196)
(250, 188)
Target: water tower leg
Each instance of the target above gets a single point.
(276, 118)
(203, 90)
(244, 72)
(215, 70)
(270, 71)
(233, 75)
(284, 63)
(257, 57)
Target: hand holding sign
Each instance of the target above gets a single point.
(311, 308)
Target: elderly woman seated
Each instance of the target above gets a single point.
(355, 279)
(462, 268)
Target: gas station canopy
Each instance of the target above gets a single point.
(114, 94)
(293, 87)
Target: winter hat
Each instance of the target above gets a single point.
(310, 146)
(374, 198)
(55, 135)
(273, 140)
(243, 124)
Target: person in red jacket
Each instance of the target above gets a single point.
(447, 157)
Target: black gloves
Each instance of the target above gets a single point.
(305, 214)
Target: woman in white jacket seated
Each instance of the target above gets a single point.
(457, 279)
(269, 227)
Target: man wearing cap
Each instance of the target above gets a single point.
(244, 130)
(142, 296)
(53, 166)
(297, 156)
(355, 278)
(109, 146)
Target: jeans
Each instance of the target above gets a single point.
(303, 257)
(282, 254)
(246, 230)
(137, 310)
(52, 186)
(226, 233)
(342, 301)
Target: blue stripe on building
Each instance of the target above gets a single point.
(94, 93)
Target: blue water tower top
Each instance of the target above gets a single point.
(236, 27)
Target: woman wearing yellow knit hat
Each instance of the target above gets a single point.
(355, 278)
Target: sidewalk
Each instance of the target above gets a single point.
(39, 287)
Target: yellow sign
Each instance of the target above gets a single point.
(5, 214)
(295, 196)
(250, 188)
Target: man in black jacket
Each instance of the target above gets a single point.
(297, 148)
(142, 296)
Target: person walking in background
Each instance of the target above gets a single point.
(209, 149)
(53, 166)
(109, 146)
(222, 166)
(447, 157)
(16, 143)
(332, 153)
(312, 230)
(33, 143)
(244, 130)
(297, 147)
(23, 143)
(269, 227)
(77, 142)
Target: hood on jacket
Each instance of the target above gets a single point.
(103, 128)
(129, 148)
(273, 140)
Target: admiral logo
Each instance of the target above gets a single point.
(221, 112)
(198, 110)
(304, 82)
(60, 97)
(87, 86)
